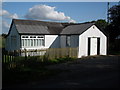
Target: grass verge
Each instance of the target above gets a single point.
(30, 70)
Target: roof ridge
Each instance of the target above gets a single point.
(62, 23)
(36, 21)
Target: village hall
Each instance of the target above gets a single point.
(33, 34)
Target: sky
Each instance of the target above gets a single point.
(75, 12)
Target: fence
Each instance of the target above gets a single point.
(62, 52)
(49, 53)
(8, 56)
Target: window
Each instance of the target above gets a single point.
(22, 43)
(42, 42)
(32, 36)
(40, 37)
(68, 41)
(24, 36)
(25, 42)
(31, 41)
(37, 42)
(34, 42)
(28, 42)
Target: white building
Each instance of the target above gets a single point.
(31, 34)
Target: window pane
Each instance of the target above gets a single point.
(40, 36)
(24, 36)
(25, 42)
(34, 42)
(42, 42)
(31, 42)
(22, 42)
(28, 42)
(32, 36)
(37, 42)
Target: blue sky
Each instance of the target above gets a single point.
(54, 11)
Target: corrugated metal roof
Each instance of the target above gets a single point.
(76, 29)
(37, 27)
(42, 27)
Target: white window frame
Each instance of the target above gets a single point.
(33, 40)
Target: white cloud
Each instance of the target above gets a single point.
(6, 14)
(3, 12)
(72, 21)
(5, 26)
(15, 16)
(44, 12)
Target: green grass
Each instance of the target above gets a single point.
(2, 42)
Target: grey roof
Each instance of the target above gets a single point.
(42, 27)
(37, 27)
(32, 29)
(76, 29)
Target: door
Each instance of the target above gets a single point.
(93, 46)
(89, 40)
(98, 46)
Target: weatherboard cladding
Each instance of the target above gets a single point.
(42, 27)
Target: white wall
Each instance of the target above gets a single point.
(52, 41)
(10, 44)
(83, 41)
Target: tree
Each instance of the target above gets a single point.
(114, 26)
(113, 29)
(4, 35)
(102, 24)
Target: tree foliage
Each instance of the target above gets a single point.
(114, 26)
(102, 24)
(113, 29)
(115, 14)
